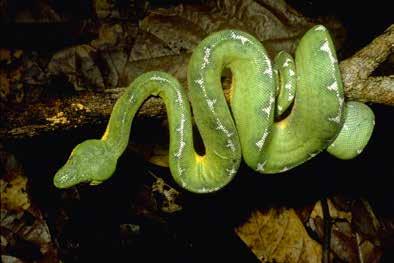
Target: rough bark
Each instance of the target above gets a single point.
(87, 107)
(356, 71)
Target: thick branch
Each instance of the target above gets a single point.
(373, 89)
(356, 71)
(60, 114)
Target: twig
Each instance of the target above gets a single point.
(327, 231)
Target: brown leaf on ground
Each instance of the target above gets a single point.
(165, 196)
(13, 185)
(278, 235)
(14, 196)
(357, 233)
(354, 233)
(23, 230)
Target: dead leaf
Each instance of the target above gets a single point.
(13, 184)
(165, 196)
(11, 76)
(353, 232)
(334, 212)
(123, 51)
(278, 235)
(23, 229)
(14, 196)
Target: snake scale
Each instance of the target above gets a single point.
(318, 117)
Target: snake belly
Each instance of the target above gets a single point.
(309, 88)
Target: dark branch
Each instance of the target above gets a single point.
(60, 114)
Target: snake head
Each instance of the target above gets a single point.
(90, 161)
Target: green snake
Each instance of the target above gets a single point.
(262, 92)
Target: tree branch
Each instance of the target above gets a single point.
(356, 71)
(87, 107)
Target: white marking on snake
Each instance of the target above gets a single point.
(340, 100)
(180, 170)
(260, 166)
(359, 151)
(291, 95)
(239, 37)
(159, 78)
(284, 169)
(260, 143)
(326, 48)
(181, 140)
(200, 82)
(267, 109)
(336, 119)
(211, 103)
(207, 53)
(291, 73)
(333, 86)
(179, 98)
(320, 28)
(287, 61)
(131, 99)
(268, 72)
(311, 155)
(230, 144)
(124, 117)
(221, 127)
(231, 171)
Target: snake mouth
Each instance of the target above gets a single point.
(65, 178)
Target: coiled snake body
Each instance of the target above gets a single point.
(319, 117)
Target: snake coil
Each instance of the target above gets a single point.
(319, 117)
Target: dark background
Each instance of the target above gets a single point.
(203, 230)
